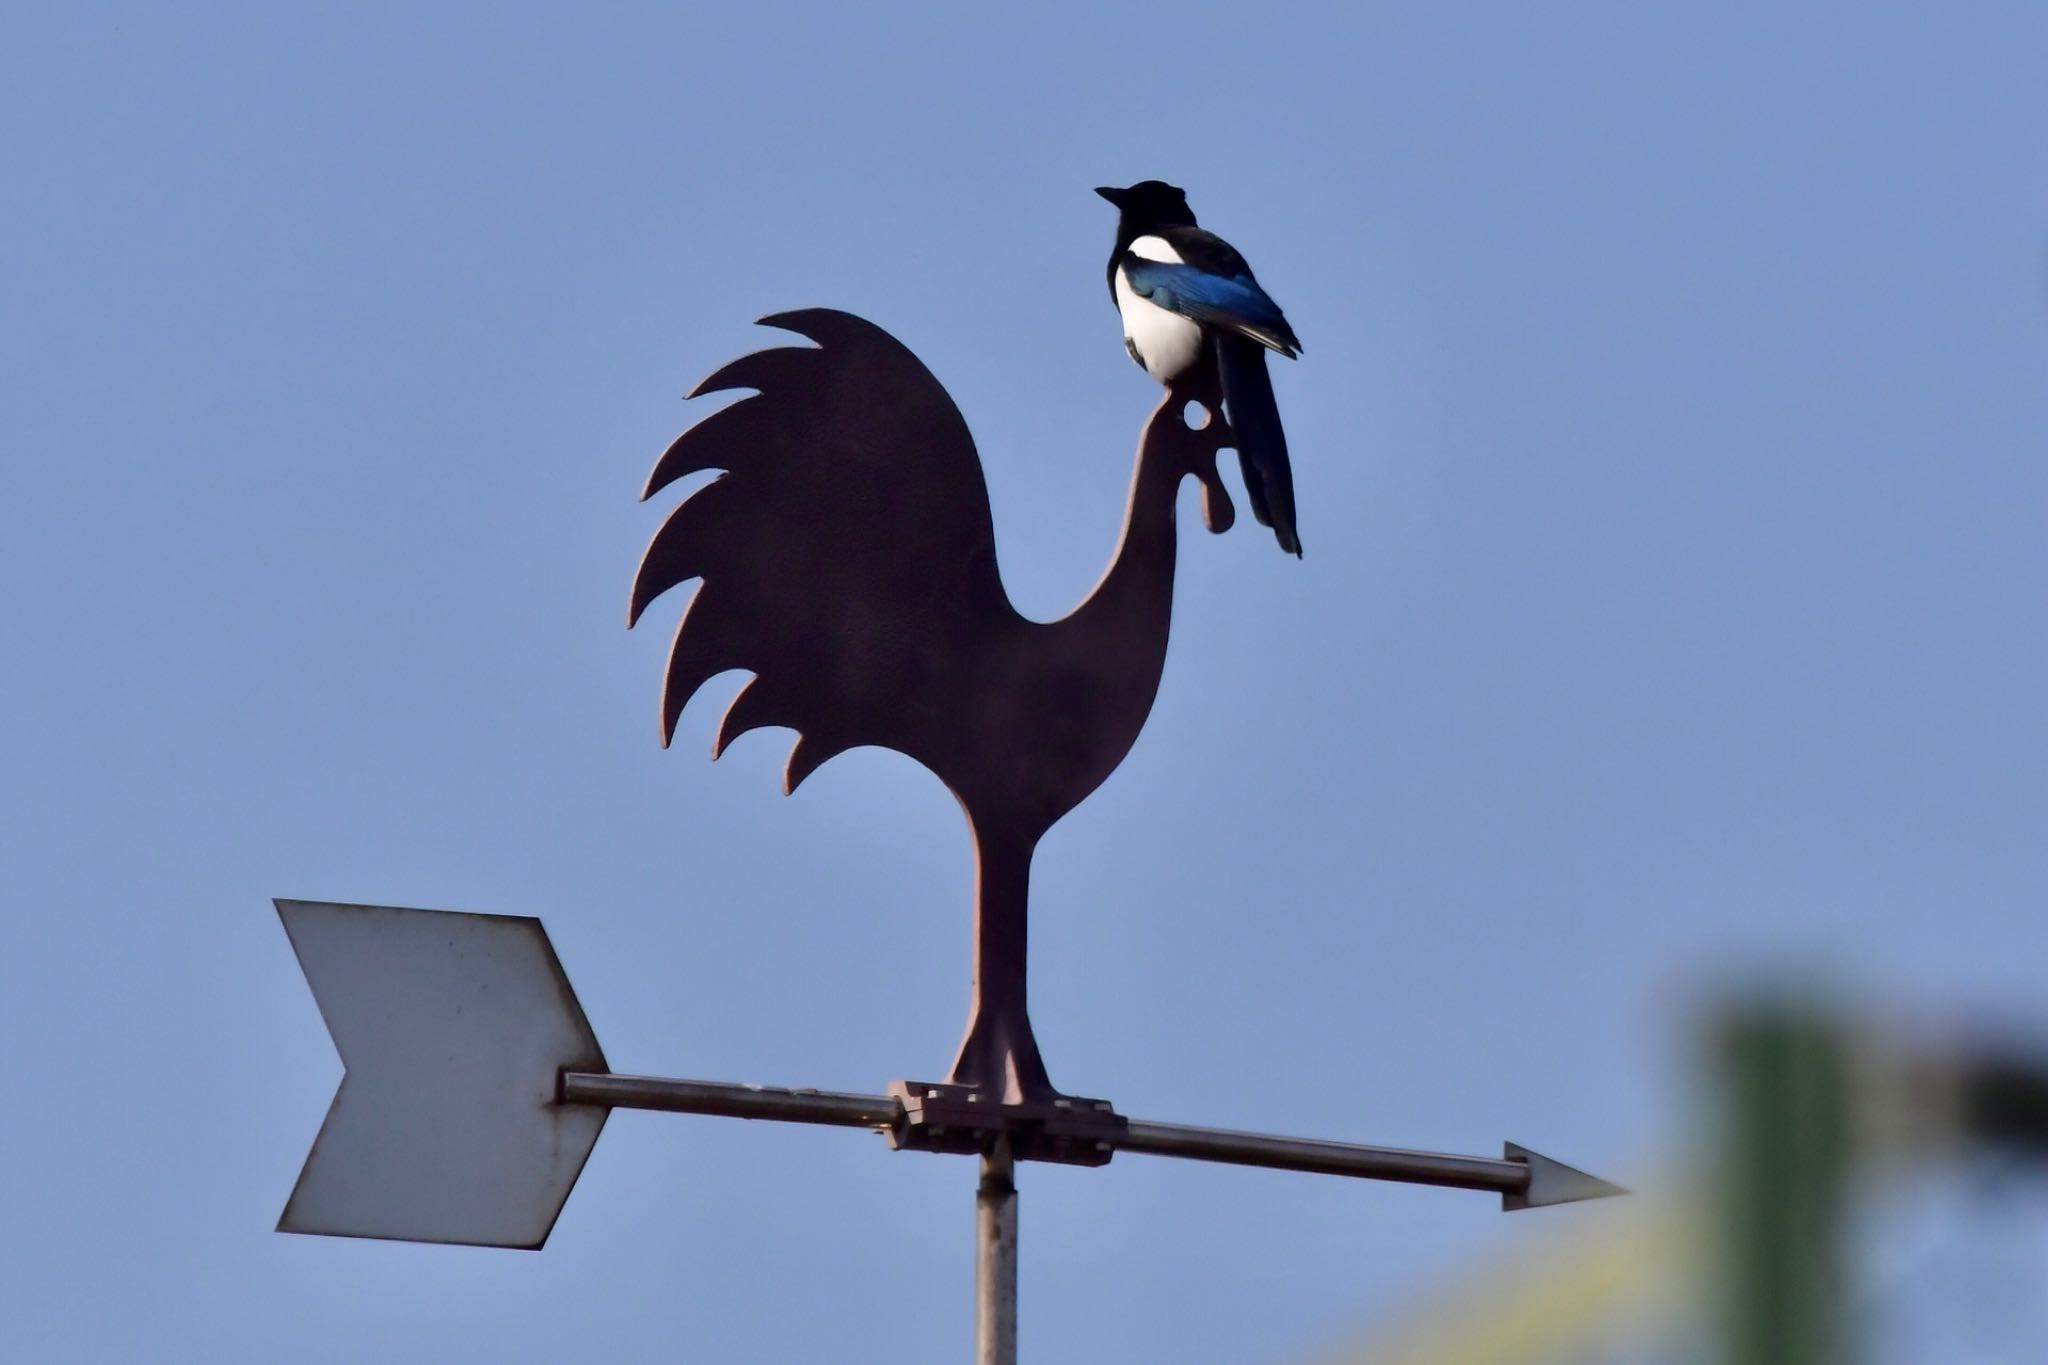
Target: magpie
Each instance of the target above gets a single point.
(1186, 296)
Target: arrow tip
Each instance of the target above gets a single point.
(1552, 1182)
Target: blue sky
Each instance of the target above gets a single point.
(1669, 439)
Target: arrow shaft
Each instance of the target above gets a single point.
(730, 1100)
(1321, 1157)
(1503, 1176)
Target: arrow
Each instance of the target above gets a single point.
(452, 1030)
(1523, 1179)
(1553, 1182)
(473, 1091)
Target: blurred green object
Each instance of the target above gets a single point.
(1783, 1183)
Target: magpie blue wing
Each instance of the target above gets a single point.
(1233, 302)
(847, 551)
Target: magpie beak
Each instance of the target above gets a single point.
(1112, 194)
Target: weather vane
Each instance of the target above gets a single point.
(846, 554)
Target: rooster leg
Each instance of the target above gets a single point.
(999, 1056)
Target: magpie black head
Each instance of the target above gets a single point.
(1151, 203)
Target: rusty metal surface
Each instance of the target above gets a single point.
(847, 558)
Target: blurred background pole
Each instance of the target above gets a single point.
(1784, 1081)
(995, 1259)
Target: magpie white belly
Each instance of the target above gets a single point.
(1164, 343)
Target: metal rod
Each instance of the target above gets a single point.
(729, 1099)
(995, 1259)
(1503, 1175)
(1326, 1158)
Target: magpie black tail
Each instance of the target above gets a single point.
(1255, 430)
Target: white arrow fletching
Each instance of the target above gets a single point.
(452, 1029)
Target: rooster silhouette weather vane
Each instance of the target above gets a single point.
(847, 558)
(845, 555)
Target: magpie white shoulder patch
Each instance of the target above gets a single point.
(1150, 248)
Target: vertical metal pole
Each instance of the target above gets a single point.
(995, 1259)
